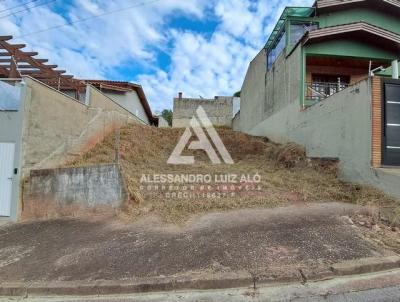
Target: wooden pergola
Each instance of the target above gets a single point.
(15, 63)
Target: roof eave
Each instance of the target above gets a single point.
(351, 28)
(332, 4)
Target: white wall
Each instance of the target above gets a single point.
(131, 102)
(11, 123)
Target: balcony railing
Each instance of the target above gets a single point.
(317, 92)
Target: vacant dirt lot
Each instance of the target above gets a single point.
(287, 176)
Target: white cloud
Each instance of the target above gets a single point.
(201, 64)
(217, 65)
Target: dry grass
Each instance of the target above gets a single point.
(287, 176)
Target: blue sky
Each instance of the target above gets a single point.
(199, 47)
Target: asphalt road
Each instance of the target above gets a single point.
(378, 287)
(272, 243)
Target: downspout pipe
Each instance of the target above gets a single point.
(395, 69)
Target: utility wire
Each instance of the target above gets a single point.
(88, 18)
(23, 4)
(27, 9)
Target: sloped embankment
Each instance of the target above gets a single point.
(285, 174)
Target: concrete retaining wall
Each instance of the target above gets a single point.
(338, 127)
(58, 128)
(83, 187)
(219, 111)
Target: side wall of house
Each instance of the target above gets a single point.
(252, 96)
(266, 92)
(130, 100)
(219, 111)
(97, 99)
(10, 132)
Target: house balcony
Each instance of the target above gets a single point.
(319, 91)
(327, 75)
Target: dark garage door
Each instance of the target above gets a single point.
(391, 141)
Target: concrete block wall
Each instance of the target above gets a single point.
(219, 111)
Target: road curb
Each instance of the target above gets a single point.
(223, 281)
(119, 287)
(366, 265)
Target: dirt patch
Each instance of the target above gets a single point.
(381, 226)
(287, 176)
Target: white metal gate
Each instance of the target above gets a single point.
(6, 176)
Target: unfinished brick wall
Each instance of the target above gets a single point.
(377, 113)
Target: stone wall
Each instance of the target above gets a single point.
(219, 111)
(57, 192)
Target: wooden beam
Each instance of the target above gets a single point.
(34, 72)
(45, 72)
(19, 46)
(30, 53)
(26, 66)
(37, 60)
(14, 73)
(31, 67)
(5, 38)
(4, 71)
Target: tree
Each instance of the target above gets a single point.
(167, 115)
(237, 94)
